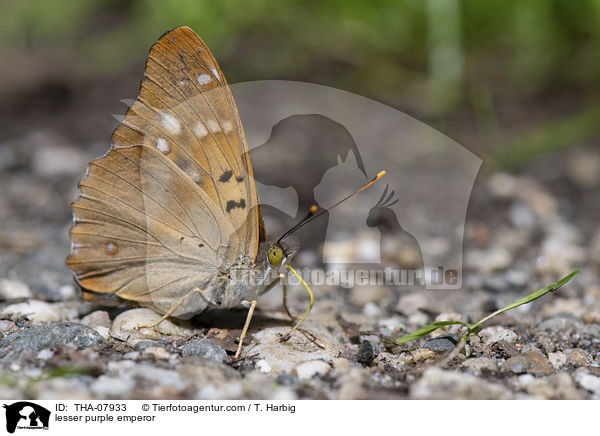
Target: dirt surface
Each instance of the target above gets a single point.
(523, 231)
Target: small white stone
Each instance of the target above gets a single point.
(263, 366)
(127, 325)
(558, 359)
(45, 354)
(204, 79)
(13, 289)
(588, 381)
(67, 292)
(371, 310)
(39, 312)
(311, 368)
(157, 352)
(110, 387)
(102, 331)
(494, 334)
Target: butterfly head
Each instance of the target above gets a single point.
(279, 254)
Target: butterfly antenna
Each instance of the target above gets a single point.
(312, 216)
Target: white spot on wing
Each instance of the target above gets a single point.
(171, 123)
(213, 126)
(200, 130)
(194, 175)
(204, 79)
(215, 73)
(227, 126)
(163, 146)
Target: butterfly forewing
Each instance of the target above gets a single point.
(174, 201)
(186, 111)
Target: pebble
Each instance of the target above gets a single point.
(529, 362)
(578, 357)
(311, 368)
(206, 349)
(439, 384)
(62, 388)
(158, 352)
(26, 344)
(442, 343)
(502, 185)
(502, 349)
(372, 310)
(419, 355)
(479, 365)
(486, 261)
(13, 289)
(553, 387)
(126, 326)
(97, 318)
(39, 312)
(7, 326)
(361, 295)
(558, 359)
(494, 334)
(522, 217)
(112, 387)
(278, 358)
(588, 381)
(57, 160)
(409, 304)
(366, 353)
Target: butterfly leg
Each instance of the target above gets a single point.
(170, 311)
(245, 329)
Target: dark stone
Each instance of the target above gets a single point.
(25, 344)
(441, 344)
(206, 349)
(503, 350)
(530, 362)
(366, 353)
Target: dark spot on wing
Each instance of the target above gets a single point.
(226, 176)
(232, 204)
(181, 59)
(239, 179)
(200, 245)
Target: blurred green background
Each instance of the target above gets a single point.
(509, 80)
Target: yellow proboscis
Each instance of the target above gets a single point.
(312, 301)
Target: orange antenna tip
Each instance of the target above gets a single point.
(380, 174)
(313, 208)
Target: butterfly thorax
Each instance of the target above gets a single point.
(245, 279)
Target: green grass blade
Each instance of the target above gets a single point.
(531, 297)
(428, 329)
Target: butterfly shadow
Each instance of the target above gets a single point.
(297, 154)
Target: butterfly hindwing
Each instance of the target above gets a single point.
(134, 237)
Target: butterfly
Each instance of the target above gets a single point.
(170, 217)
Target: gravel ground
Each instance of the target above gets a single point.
(523, 231)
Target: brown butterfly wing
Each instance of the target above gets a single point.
(174, 200)
(135, 237)
(186, 110)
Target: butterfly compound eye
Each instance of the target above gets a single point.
(275, 255)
